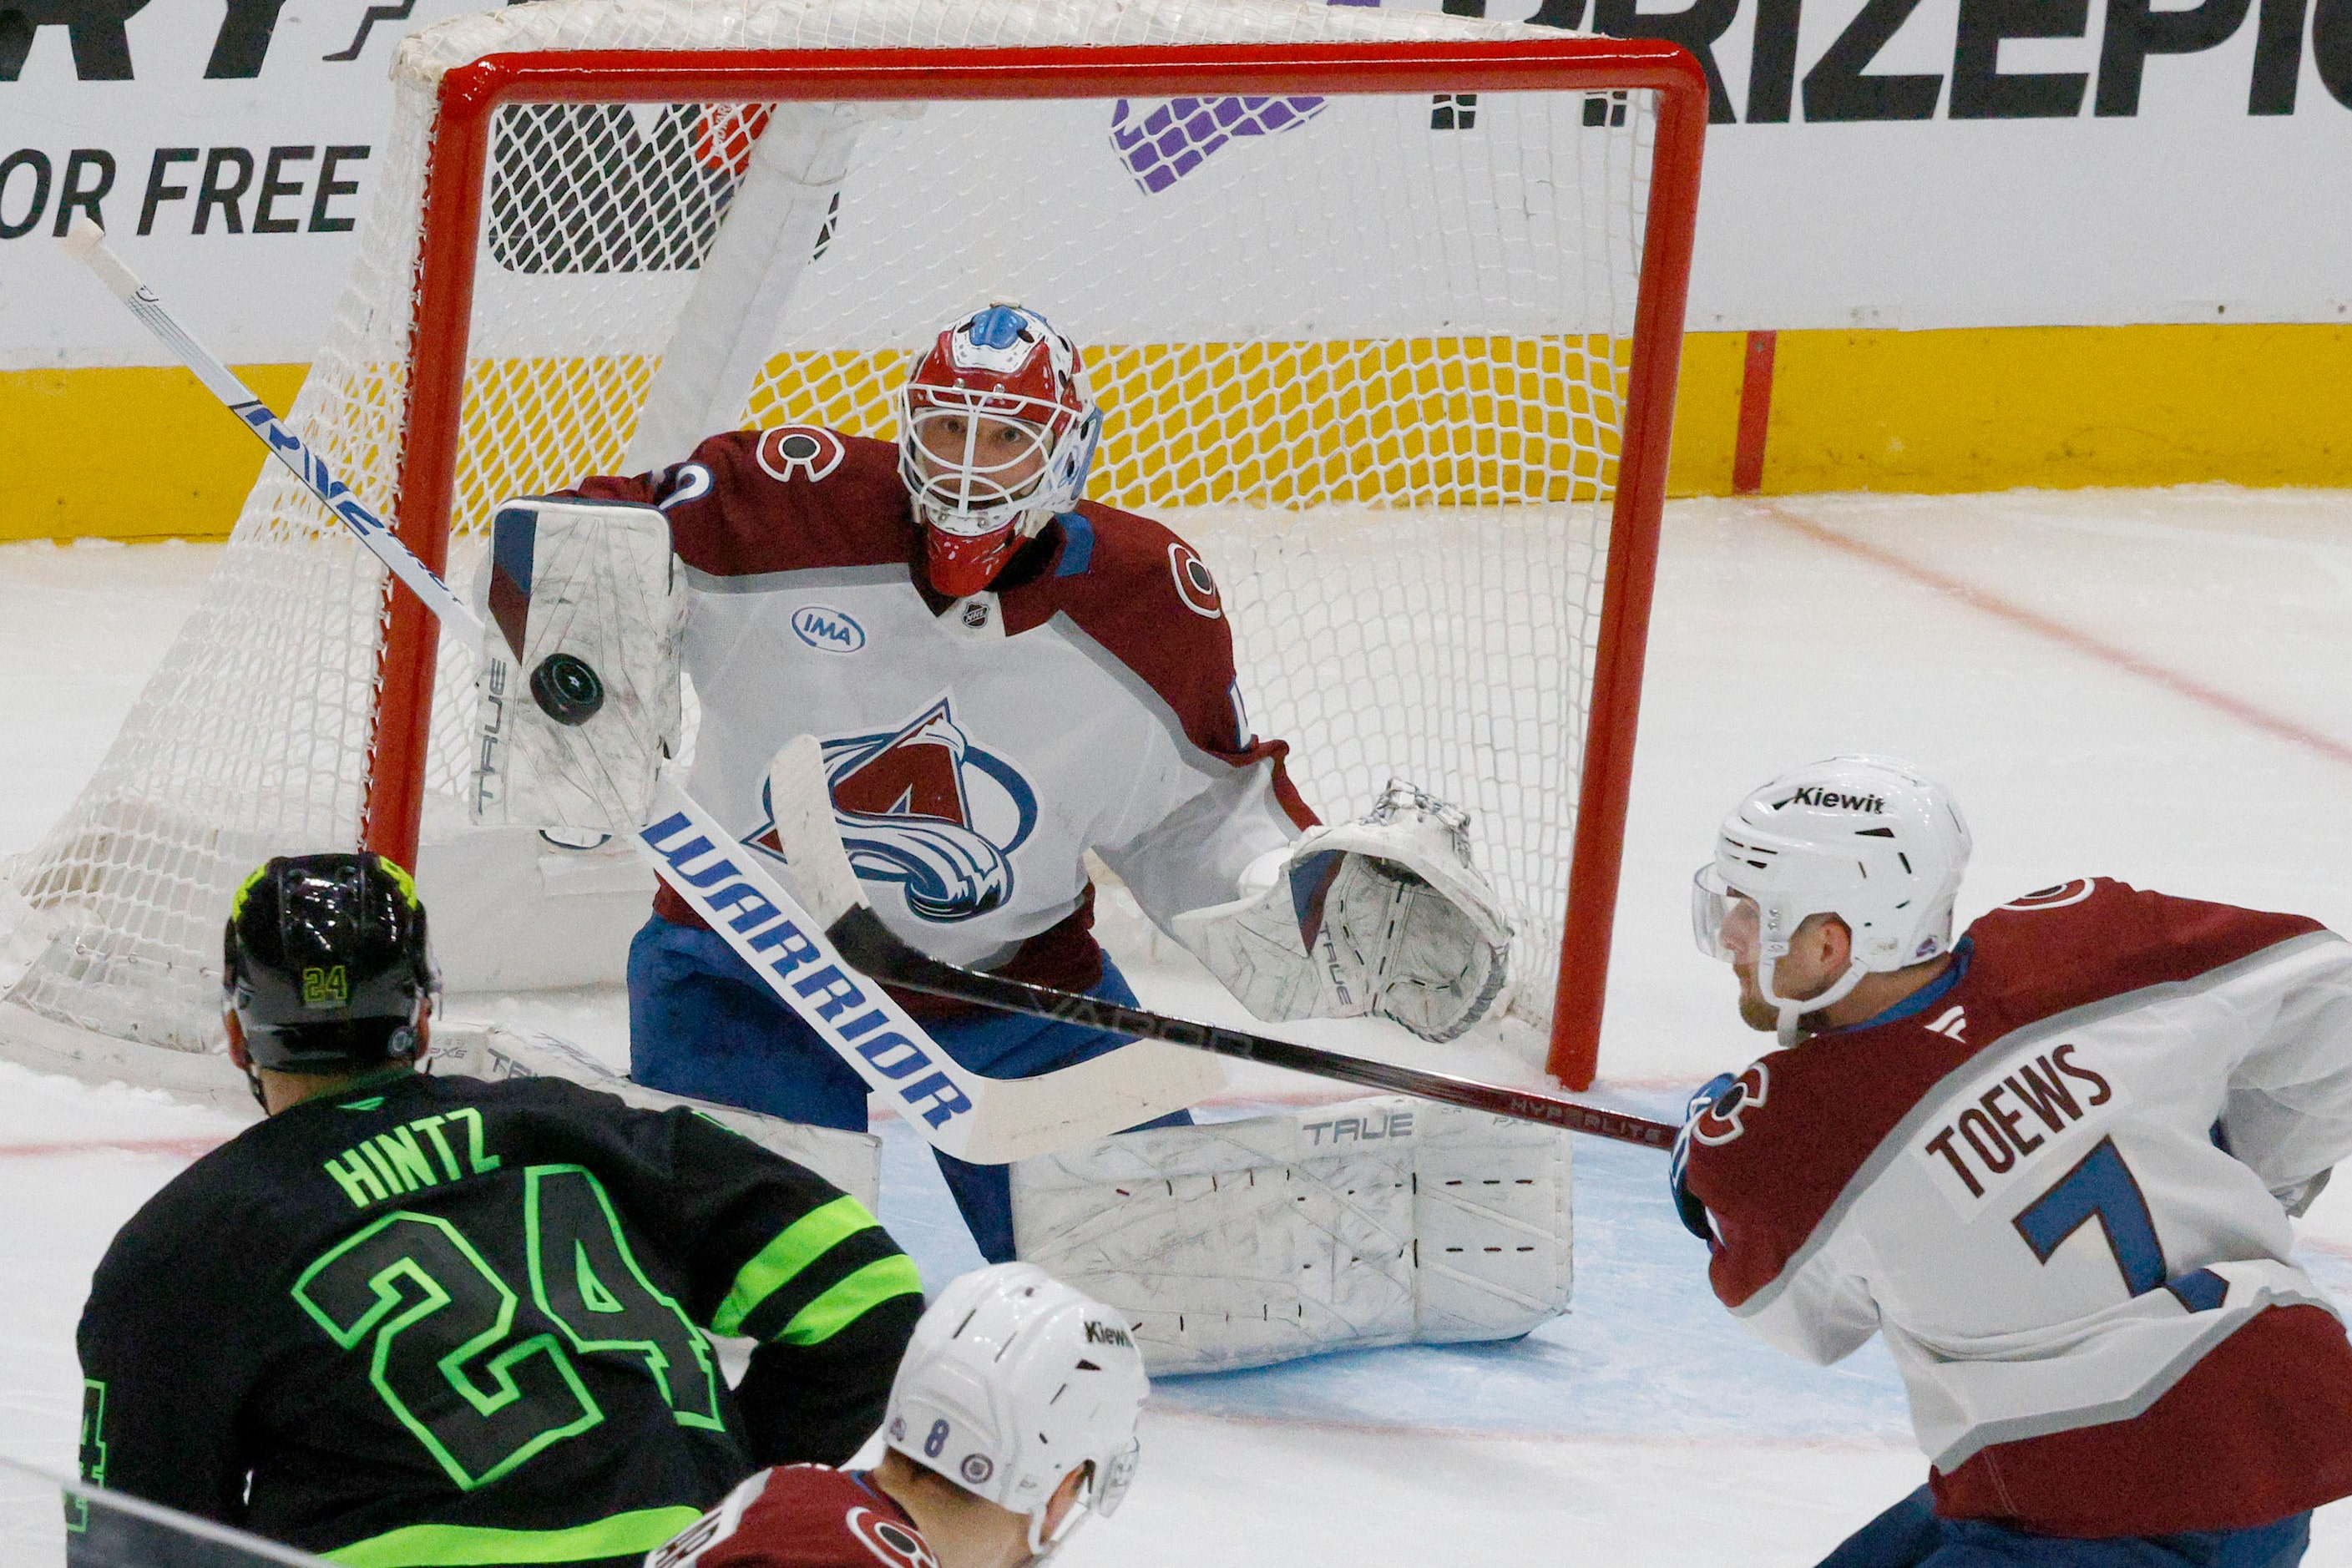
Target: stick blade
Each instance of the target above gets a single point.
(1093, 1098)
(1125, 1087)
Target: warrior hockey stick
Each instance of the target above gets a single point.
(801, 806)
(988, 1120)
(86, 243)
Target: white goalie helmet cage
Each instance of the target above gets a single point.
(1011, 1381)
(1868, 839)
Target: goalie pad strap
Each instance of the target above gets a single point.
(1380, 1221)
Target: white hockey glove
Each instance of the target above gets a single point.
(1385, 916)
(578, 696)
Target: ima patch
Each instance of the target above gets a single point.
(828, 630)
(791, 452)
(1193, 584)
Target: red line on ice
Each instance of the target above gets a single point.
(1993, 604)
(179, 1148)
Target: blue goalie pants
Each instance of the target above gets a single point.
(1909, 1535)
(702, 1023)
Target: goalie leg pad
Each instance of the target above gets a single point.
(1377, 1222)
(578, 695)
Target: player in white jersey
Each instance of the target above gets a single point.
(1004, 676)
(2052, 1163)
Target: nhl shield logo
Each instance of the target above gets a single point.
(923, 807)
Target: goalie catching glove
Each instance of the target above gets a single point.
(578, 694)
(1385, 915)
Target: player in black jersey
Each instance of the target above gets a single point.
(412, 1321)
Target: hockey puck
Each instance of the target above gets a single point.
(566, 690)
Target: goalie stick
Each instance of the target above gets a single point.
(988, 1120)
(801, 809)
(1021, 1119)
(86, 243)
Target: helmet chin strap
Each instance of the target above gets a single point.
(1043, 1546)
(1794, 1008)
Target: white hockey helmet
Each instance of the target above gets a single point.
(1867, 839)
(1013, 1380)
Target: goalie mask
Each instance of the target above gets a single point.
(1864, 838)
(996, 435)
(1013, 1380)
(324, 965)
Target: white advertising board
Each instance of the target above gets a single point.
(1873, 163)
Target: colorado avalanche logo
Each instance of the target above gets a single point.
(2057, 897)
(890, 1542)
(924, 808)
(1722, 1122)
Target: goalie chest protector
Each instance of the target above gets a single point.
(975, 753)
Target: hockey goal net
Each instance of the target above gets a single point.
(1383, 310)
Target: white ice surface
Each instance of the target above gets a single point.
(2151, 685)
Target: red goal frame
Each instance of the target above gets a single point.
(471, 93)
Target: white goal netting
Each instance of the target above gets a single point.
(1368, 352)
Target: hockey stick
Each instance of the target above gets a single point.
(801, 809)
(86, 243)
(988, 1120)
(1001, 1126)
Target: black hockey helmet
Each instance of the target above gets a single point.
(324, 964)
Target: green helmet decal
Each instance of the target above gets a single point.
(400, 878)
(237, 904)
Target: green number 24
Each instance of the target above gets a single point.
(482, 1392)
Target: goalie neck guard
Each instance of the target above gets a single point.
(1013, 1381)
(1868, 839)
(996, 435)
(324, 965)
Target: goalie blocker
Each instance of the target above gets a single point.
(578, 695)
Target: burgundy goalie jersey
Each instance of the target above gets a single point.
(801, 1516)
(975, 749)
(2059, 1189)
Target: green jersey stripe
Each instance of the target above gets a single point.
(847, 1302)
(802, 1243)
(766, 1320)
(434, 1545)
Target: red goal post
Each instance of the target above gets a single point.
(470, 94)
